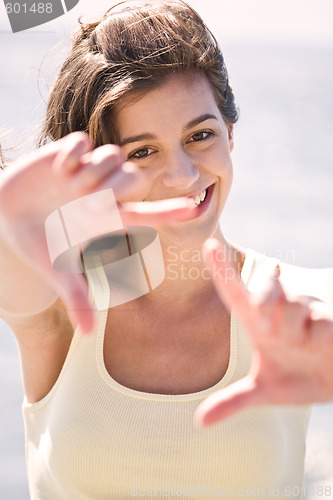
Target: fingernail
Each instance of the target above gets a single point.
(129, 168)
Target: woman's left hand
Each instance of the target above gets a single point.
(293, 341)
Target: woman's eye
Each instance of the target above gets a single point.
(141, 153)
(200, 136)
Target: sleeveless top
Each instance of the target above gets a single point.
(92, 438)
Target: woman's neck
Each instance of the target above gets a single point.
(188, 281)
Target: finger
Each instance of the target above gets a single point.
(96, 166)
(72, 147)
(157, 213)
(150, 213)
(320, 330)
(228, 285)
(321, 310)
(267, 285)
(126, 182)
(269, 302)
(73, 290)
(294, 322)
(45, 154)
(222, 404)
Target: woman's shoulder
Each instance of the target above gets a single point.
(297, 280)
(314, 282)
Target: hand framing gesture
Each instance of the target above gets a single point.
(55, 175)
(293, 341)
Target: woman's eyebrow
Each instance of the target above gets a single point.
(137, 138)
(199, 119)
(148, 136)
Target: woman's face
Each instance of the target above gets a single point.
(177, 136)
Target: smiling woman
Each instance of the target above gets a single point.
(142, 109)
(183, 149)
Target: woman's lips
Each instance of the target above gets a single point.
(202, 200)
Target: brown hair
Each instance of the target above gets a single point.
(2, 160)
(130, 51)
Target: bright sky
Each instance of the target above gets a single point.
(299, 21)
(283, 21)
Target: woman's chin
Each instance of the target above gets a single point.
(194, 232)
(187, 236)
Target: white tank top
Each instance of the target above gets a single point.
(92, 438)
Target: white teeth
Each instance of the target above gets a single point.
(197, 200)
(200, 197)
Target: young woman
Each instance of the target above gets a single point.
(142, 109)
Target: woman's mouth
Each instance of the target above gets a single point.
(200, 198)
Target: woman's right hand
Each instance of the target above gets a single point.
(51, 177)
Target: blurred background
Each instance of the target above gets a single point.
(280, 60)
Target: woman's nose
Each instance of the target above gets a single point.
(180, 171)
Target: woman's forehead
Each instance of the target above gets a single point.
(179, 100)
(182, 86)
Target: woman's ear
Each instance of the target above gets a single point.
(230, 135)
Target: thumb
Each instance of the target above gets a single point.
(222, 404)
(73, 290)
